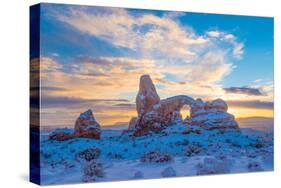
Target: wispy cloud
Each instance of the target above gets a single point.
(244, 90)
(256, 104)
(148, 34)
(224, 37)
(58, 101)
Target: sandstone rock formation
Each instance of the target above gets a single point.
(155, 114)
(86, 126)
(147, 95)
(211, 115)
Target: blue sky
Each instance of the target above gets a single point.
(100, 53)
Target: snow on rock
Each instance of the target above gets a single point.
(62, 134)
(168, 172)
(217, 104)
(155, 114)
(86, 126)
(211, 115)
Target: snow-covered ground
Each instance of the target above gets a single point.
(119, 156)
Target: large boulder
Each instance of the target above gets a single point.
(211, 115)
(86, 126)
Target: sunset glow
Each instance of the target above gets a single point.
(101, 55)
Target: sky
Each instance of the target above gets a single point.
(92, 58)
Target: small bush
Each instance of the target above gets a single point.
(92, 171)
(89, 154)
(213, 166)
(138, 175)
(254, 166)
(168, 172)
(193, 149)
(156, 157)
(259, 143)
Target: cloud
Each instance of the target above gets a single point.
(214, 33)
(114, 77)
(52, 88)
(147, 34)
(244, 90)
(237, 48)
(179, 60)
(163, 46)
(58, 101)
(256, 104)
(63, 111)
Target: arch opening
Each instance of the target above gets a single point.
(185, 111)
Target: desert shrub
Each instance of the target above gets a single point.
(46, 155)
(192, 130)
(89, 154)
(138, 175)
(92, 170)
(213, 166)
(193, 149)
(168, 172)
(254, 166)
(184, 142)
(259, 143)
(156, 157)
(236, 144)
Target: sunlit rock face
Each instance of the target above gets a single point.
(86, 126)
(211, 115)
(155, 114)
(147, 96)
